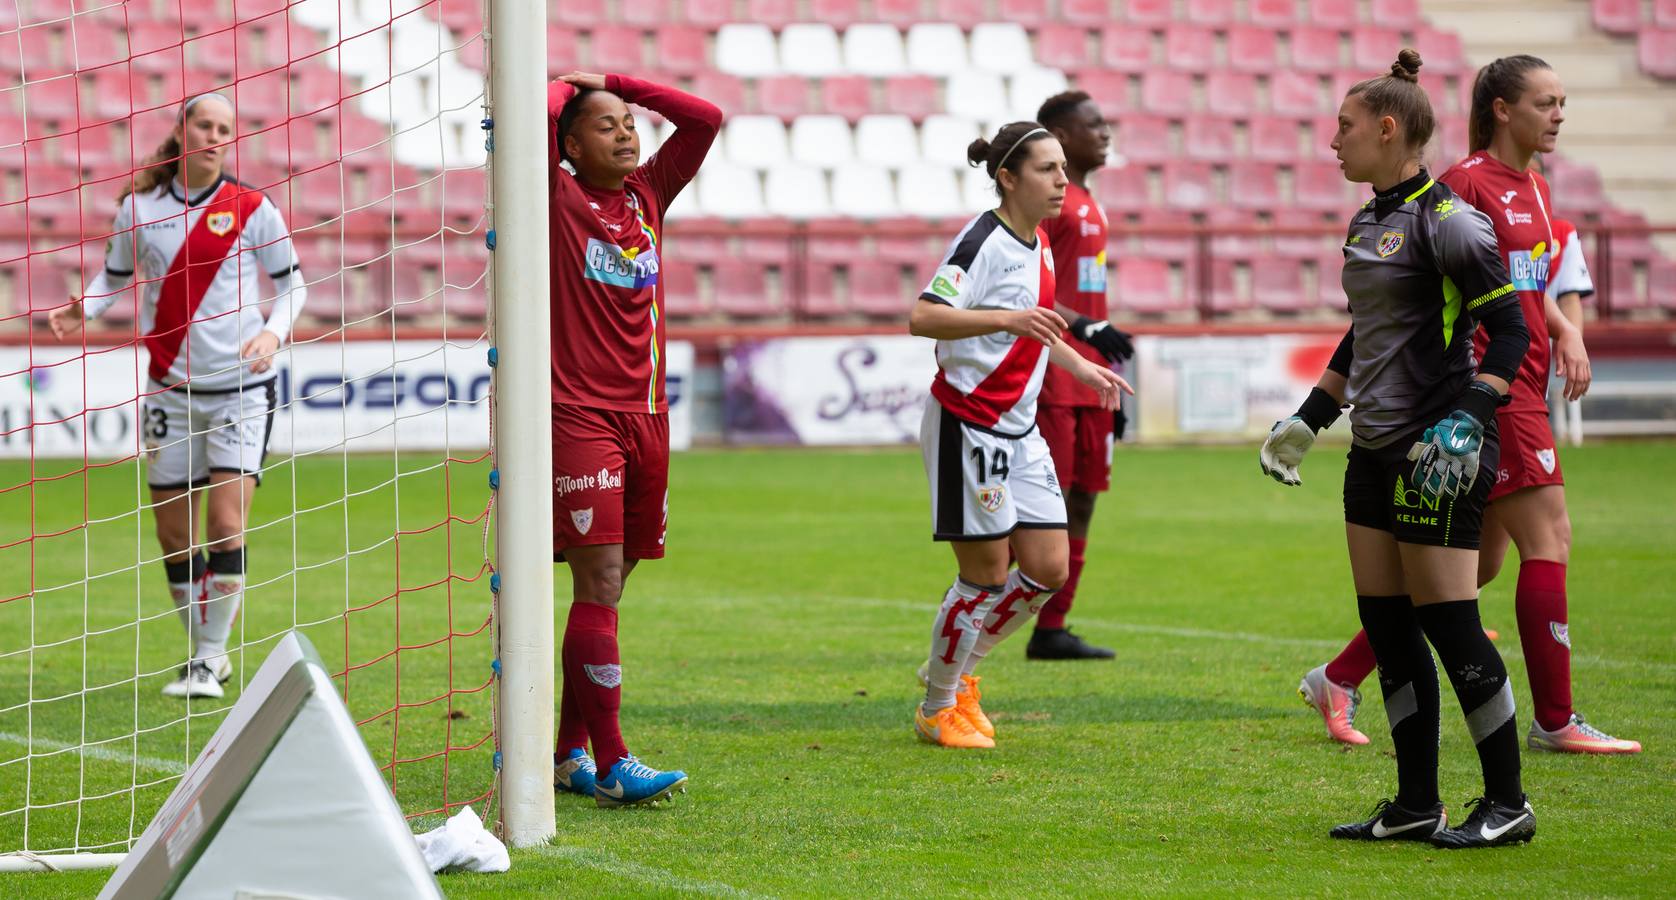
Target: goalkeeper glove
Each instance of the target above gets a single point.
(1100, 334)
(1291, 437)
(1446, 456)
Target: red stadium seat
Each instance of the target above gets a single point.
(776, 14)
(1657, 52)
(1126, 49)
(1231, 93)
(1336, 14)
(1277, 285)
(786, 96)
(1619, 291)
(617, 48)
(564, 54)
(581, 13)
(1302, 245)
(1148, 12)
(92, 46)
(1209, 138)
(1086, 12)
(682, 297)
(901, 13)
(56, 99)
(1062, 46)
(724, 90)
(680, 50)
(742, 289)
(1028, 13)
(1273, 139)
(1322, 130)
(1144, 139)
(1167, 92)
(880, 291)
(1123, 188)
(1210, 12)
(1374, 49)
(1576, 186)
(710, 14)
(850, 96)
(1272, 13)
(835, 248)
(1143, 286)
(1189, 48)
(1441, 52)
(1295, 94)
(1321, 185)
(1329, 281)
(1316, 49)
(914, 96)
(1225, 294)
(1254, 185)
(1664, 14)
(840, 14)
(1403, 14)
(1188, 185)
(1110, 90)
(821, 298)
(1252, 49)
(463, 16)
(1661, 284)
(1229, 239)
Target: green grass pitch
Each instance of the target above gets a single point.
(772, 657)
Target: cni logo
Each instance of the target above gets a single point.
(1408, 499)
(219, 223)
(992, 498)
(1390, 242)
(583, 519)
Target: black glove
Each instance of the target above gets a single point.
(1113, 344)
(1120, 423)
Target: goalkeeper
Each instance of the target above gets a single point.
(1421, 270)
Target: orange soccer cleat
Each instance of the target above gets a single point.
(948, 728)
(966, 701)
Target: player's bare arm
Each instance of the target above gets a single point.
(1110, 386)
(1571, 359)
(66, 320)
(942, 322)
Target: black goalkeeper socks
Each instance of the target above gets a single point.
(1480, 680)
(1408, 681)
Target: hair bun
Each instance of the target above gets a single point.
(977, 152)
(1407, 66)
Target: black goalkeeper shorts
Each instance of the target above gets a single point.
(1379, 493)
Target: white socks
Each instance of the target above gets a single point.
(1020, 600)
(953, 632)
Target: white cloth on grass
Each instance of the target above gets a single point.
(462, 844)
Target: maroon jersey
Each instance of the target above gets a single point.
(1078, 241)
(1519, 207)
(606, 255)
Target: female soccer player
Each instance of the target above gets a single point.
(208, 414)
(1518, 104)
(1421, 271)
(610, 414)
(993, 488)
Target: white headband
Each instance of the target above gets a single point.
(187, 106)
(1009, 154)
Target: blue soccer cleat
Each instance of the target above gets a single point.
(574, 773)
(632, 783)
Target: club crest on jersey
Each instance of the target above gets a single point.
(219, 223)
(1390, 242)
(606, 676)
(992, 498)
(583, 519)
(1546, 457)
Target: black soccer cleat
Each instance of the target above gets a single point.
(1391, 822)
(1490, 824)
(1060, 643)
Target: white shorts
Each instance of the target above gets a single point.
(188, 436)
(983, 485)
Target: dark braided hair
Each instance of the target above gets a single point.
(1503, 78)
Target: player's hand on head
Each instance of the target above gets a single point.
(1037, 323)
(260, 351)
(1283, 451)
(66, 320)
(590, 81)
(1571, 363)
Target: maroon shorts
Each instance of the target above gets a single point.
(1528, 455)
(610, 480)
(1080, 440)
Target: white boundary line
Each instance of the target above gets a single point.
(633, 871)
(96, 751)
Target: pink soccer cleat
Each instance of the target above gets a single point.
(1337, 704)
(1578, 736)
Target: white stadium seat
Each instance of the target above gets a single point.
(937, 49)
(729, 191)
(746, 50)
(975, 95)
(798, 192)
(810, 49)
(1028, 88)
(886, 140)
(926, 189)
(755, 141)
(943, 139)
(822, 141)
(977, 191)
(863, 191)
(1001, 48)
(874, 50)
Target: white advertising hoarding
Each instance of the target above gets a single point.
(362, 396)
(1224, 388)
(827, 390)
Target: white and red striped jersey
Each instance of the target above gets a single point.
(198, 260)
(1571, 270)
(992, 380)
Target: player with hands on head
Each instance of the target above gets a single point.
(208, 410)
(610, 410)
(1422, 271)
(994, 490)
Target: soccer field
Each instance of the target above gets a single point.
(772, 657)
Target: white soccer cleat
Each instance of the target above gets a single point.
(199, 679)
